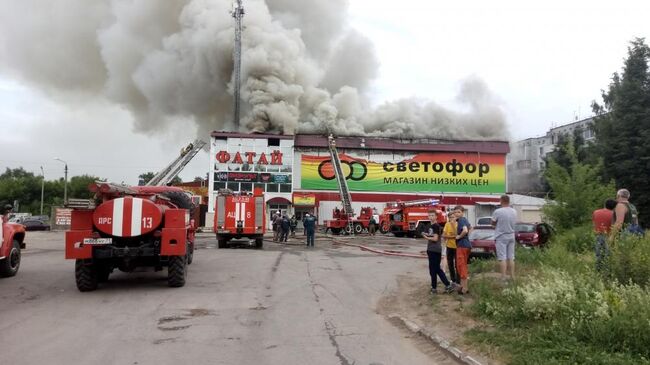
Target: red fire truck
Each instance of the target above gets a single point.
(13, 240)
(240, 215)
(410, 218)
(341, 223)
(126, 227)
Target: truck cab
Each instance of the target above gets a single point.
(12, 241)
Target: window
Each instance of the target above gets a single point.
(260, 186)
(233, 186)
(285, 188)
(219, 185)
(246, 187)
(274, 142)
(272, 188)
(541, 151)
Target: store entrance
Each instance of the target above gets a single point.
(300, 214)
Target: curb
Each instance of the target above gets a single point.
(439, 341)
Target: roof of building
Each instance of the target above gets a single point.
(403, 144)
(249, 135)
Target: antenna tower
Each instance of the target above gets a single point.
(238, 14)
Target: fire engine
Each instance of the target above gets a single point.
(13, 240)
(342, 223)
(239, 215)
(127, 227)
(410, 218)
(130, 227)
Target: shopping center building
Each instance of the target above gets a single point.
(297, 177)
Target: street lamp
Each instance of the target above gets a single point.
(65, 187)
(42, 187)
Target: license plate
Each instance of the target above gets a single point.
(478, 249)
(98, 241)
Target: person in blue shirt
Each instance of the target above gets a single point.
(463, 248)
(310, 229)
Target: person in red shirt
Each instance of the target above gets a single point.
(602, 220)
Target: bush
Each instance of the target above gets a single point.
(629, 260)
(577, 240)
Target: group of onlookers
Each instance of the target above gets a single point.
(618, 216)
(457, 247)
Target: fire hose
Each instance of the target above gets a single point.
(378, 251)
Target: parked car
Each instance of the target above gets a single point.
(484, 221)
(35, 225)
(532, 234)
(483, 241)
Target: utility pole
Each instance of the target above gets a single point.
(42, 187)
(238, 14)
(65, 187)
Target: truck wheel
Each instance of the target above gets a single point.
(259, 243)
(358, 228)
(86, 275)
(398, 234)
(10, 264)
(383, 229)
(348, 229)
(176, 271)
(190, 253)
(222, 243)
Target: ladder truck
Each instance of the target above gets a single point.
(166, 175)
(411, 218)
(344, 220)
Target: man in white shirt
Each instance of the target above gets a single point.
(503, 220)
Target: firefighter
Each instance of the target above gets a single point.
(293, 223)
(310, 229)
(285, 225)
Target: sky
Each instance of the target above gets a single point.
(544, 61)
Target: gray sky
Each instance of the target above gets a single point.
(544, 62)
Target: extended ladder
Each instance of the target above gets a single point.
(346, 198)
(165, 176)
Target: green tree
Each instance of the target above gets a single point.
(576, 191)
(623, 127)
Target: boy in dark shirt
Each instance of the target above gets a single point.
(434, 252)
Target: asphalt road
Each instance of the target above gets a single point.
(281, 305)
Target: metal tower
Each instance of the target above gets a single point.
(238, 14)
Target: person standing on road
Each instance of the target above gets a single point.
(285, 226)
(602, 219)
(503, 220)
(293, 223)
(463, 248)
(372, 226)
(434, 253)
(449, 234)
(277, 226)
(310, 229)
(626, 217)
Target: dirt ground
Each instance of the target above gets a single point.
(446, 315)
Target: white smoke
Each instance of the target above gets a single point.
(303, 67)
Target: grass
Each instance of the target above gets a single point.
(560, 310)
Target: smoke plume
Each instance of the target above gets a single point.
(304, 68)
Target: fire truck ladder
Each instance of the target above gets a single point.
(165, 176)
(346, 198)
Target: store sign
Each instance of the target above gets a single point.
(282, 179)
(250, 158)
(242, 176)
(423, 172)
(304, 200)
(62, 216)
(266, 178)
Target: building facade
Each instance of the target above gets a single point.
(297, 176)
(527, 158)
